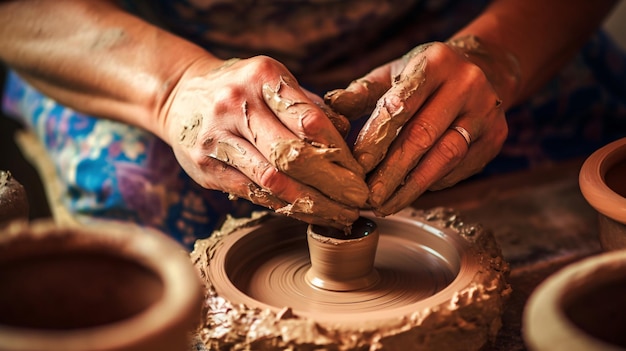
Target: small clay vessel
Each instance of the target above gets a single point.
(602, 182)
(343, 261)
(104, 287)
(580, 308)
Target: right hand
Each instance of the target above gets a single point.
(247, 128)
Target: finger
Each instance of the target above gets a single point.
(341, 123)
(316, 165)
(417, 136)
(360, 97)
(468, 95)
(483, 149)
(442, 158)
(242, 156)
(393, 110)
(306, 119)
(261, 127)
(237, 185)
(473, 163)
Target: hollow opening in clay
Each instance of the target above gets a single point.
(615, 176)
(599, 309)
(362, 227)
(72, 290)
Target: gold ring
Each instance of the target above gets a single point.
(464, 133)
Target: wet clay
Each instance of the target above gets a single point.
(320, 167)
(441, 286)
(316, 208)
(278, 103)
(388, 118)
(357, 100)
(13, 200)
(343, 261)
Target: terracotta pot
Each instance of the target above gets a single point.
(580, 308)
(103, 287)
(603, 184)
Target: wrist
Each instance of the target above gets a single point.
(500, 66)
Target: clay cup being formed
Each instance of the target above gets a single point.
(580, 308)
(602, 182)
(107, 287)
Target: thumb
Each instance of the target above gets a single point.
(360, 97)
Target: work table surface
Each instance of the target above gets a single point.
(541, 221)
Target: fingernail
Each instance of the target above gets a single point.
(376, 198)
(367, 161)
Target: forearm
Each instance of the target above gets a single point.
(95, 58)
(540, 35)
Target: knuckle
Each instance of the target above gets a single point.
(474, 81)
(438, 51)
(450, 151)
(312, 119)
(475, 74)
(225, 98)
(422, 135)
(269, 177)
(263, 65)
(416, 182)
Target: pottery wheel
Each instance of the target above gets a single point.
(432, 270)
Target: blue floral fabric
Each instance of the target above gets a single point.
(112, 170)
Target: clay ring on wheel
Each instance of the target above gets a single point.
(441, 285)
(464, 133)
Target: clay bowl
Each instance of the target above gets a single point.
(107, 287)
(580, 308)
(603, 184)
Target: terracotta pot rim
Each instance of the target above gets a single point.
(545, 325)
(593, 185)
(151, 249)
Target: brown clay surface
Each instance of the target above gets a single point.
(433, 276)
(341, 261)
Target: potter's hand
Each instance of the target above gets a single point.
(248, 129)
(410, 142)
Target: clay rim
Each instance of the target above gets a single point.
(545, 324)
(182, 292)
(228, 326)
(593, 185)
(468, 256)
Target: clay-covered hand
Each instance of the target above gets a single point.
(408, 144)
(245, 127)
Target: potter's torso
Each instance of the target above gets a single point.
(310, 36)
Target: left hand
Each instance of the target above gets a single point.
(408, 145)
